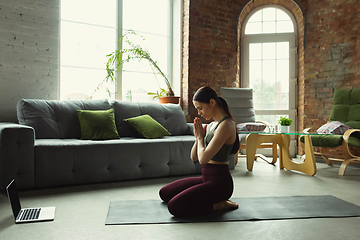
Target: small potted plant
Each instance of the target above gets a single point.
(285, 124)
(134, 51)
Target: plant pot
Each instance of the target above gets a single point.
(170, 99)
(285, 129)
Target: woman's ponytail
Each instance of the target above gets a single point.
(223, 104)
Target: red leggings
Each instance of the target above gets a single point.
(196, 195)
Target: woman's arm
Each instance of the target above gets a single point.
(194, 156)
(225, 134)
(199, 133)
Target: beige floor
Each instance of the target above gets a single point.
(81, 210)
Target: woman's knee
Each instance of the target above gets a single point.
(175, 209)
(164, 195)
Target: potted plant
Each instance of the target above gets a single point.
(133, 51)
(285, 124)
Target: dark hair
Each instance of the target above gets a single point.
(204, 95)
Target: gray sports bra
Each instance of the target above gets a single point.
(224, 152)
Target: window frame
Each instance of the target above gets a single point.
(271, 37)
(293, 65)
(174, 50)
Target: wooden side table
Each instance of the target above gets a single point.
(307, 166)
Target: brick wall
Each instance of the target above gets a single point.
(211, 47)
(29, 52)
(332, 56)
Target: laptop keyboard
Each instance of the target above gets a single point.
(30, 214)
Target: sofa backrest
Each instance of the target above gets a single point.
(170, 116)
(346, 108)
(55, 119)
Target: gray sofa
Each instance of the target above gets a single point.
(45, 149)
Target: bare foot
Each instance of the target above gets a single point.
(224, 205)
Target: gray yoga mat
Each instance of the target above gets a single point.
(257, 208)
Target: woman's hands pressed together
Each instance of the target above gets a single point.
(199, 130)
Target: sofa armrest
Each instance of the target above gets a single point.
(345, 145)
(16, 155)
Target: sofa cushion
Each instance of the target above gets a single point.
(55, 119)
(97, 124)
(72, 161)
(170, 116)
(346, 107)
(147, 126)
(331, 141)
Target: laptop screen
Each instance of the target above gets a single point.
(14, 198)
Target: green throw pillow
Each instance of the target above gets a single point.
(147, 126)
(97, 124)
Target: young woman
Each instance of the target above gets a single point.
(213, 145)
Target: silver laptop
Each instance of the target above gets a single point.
(23, 215)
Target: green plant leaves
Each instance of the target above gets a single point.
(284, 121)
(118, 58)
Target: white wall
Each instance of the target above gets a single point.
(29, 52)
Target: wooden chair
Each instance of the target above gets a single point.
(346, 109)
(240, 101)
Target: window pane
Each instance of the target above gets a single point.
(268, 14)
(255, 75)
(82, 81)
(137, 85)
(269, 27)
(255, 51)
(90, 11)
(153, 15)
(268, 101)
(282, 101)
(284, 26)
(85, 45)
(156, 45)
(257, 101)
(253, 28)
(268, 50)
(271, 119)
(269, 75)
(282, 50)
(282, 16)
(282, 75)
(256, 17)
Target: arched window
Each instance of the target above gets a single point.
(269, 53)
